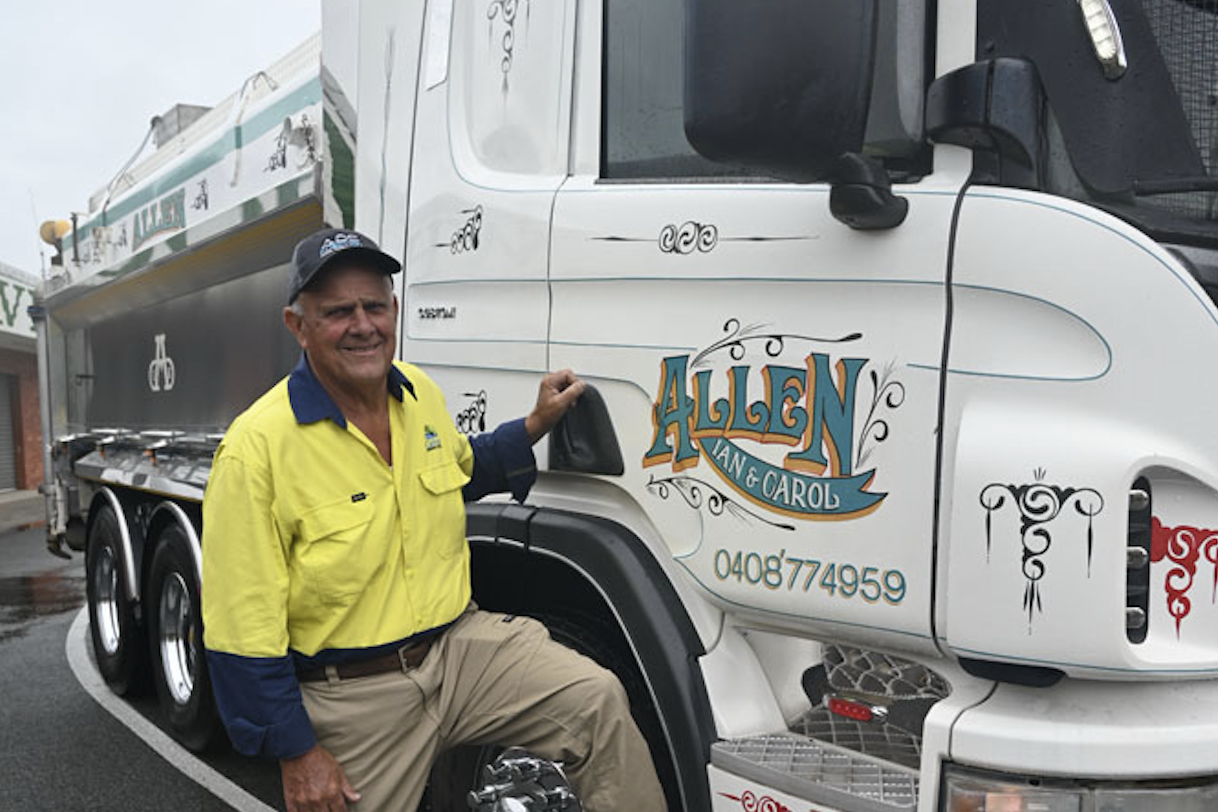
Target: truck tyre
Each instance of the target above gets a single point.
(175, 641)
(118, 645)
(460, 770)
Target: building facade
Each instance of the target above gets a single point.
(20, 428)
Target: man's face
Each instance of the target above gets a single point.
(347, 327)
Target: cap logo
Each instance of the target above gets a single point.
(338, 242)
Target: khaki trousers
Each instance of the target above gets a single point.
(490, 679)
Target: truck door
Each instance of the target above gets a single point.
(490, 149)
(772, 374)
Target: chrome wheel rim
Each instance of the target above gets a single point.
(177, 639)
(105, 582)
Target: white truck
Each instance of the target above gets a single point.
(899, 486)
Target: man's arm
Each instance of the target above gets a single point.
(314, 782)
(503, 459)
(557, 393)
(259, 701)
(244, 594)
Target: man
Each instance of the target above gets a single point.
(339, 629)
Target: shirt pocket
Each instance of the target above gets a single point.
(442, 508)
(336, 557)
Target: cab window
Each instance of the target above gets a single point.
(643, 115)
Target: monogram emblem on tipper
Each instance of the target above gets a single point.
(160, 370)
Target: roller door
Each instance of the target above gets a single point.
(8, 449)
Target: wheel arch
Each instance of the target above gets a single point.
(130, 538)
(166, 513)
(592, 563)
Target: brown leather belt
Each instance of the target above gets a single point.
(406, 657)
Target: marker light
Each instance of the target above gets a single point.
(850, 709)
(979, 792)
(1105, 37)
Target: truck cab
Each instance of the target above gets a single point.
(869, 293)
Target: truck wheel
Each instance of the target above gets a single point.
(460, 770)
(118, 646)
(175, 638)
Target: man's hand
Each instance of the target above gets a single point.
(558, 392)
(314, 782)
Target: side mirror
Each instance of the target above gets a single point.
(781, 87)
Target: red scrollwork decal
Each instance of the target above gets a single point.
(751, 803)
(1183, 546)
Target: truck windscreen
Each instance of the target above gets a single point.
(1187, 36)
(1141, 138)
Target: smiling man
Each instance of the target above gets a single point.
(340, 631)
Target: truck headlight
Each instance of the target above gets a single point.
(968, 791)
(977, 792)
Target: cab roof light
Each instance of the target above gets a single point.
(1105, 37)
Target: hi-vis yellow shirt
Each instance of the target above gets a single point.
(315, 549)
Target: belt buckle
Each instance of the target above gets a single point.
(403, 652)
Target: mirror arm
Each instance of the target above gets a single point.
(995, 108)
(860, 194)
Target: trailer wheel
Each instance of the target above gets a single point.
(118, 646)
(175, 637)
(460, 770)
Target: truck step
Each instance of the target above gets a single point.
(886, 742)
(820, 772)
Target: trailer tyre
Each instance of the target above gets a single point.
(175, 640)
(118, 645)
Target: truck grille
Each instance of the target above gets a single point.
(881, 674)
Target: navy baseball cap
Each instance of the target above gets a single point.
(323, 249)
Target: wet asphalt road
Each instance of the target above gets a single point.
(59, 749)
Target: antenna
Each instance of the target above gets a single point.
(42, 257)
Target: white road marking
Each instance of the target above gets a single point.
(164, 746)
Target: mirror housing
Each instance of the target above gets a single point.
(782, 87)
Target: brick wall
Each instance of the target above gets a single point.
(28, 428)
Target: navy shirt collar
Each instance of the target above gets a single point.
(311, 403)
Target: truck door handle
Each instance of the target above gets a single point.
(584, 441)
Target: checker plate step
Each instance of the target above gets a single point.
(877, 739)
(819, 772)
